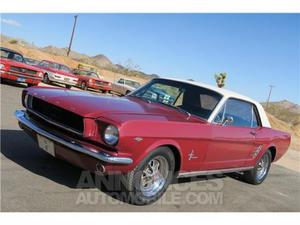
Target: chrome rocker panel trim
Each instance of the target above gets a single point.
(211, 172)
(21, 117)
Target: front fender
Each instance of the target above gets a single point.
(157, 144)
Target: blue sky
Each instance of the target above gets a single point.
(254, 49)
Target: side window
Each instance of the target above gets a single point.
(255, 121)
(243, 114)
(220, 116)
(18, 58)
(44, 64)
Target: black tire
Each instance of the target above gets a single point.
(104, 91)
(46, 79)
(253, 176)
(133, 179)
(83, 86)
(68, 86)
(31, 85)
(127, 92)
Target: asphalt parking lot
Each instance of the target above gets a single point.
(31, 180)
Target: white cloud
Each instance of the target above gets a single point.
(10, 22)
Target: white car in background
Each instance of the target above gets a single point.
(124, 86)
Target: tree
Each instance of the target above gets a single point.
(130, 68)
(220, 79)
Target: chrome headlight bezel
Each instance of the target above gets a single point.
(111, 135)
(27, 101)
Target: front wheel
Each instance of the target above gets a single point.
(83, 86)
(31, 85)
(259, 173)
(151, 178)
(68, 86)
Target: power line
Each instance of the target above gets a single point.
(271, 87)
(73, 31)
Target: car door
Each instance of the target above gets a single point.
(232, 136)
(119, 86)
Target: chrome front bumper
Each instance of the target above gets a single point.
(24, 120)
(21, 75)
(61, 79)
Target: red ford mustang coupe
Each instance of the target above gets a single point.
(89, 79)
(192, 129)
(14, 68)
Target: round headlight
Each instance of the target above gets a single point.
(111, 135)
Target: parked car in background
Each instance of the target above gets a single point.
(57, 73)
(124, 86)
(14, 68)
(88, 79)
(84, 66)
(206, 130)
(32, 62)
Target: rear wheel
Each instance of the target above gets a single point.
(68, 86)
(83, 86)
(259, 173)
(31, 85)
(151, 178)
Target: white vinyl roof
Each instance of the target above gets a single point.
(227, 94)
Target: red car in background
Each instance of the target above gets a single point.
(89, 79)
(14, 68)
(57, 73)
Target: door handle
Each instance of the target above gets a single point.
(253, 132)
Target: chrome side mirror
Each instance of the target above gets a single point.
(227, 120)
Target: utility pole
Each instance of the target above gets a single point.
(70, 45)
(271, 87)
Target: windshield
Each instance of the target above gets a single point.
(31, 61)
(11, 55)
(86, 73)
(64, 68)
(132, 83)
(186, 97)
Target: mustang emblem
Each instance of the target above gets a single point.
(192, 155)
(138, 139)
(256, 151)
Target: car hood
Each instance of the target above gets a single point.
(19, 64)
(114, 108)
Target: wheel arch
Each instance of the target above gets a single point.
(173, 146)
(273, 151)
(176, 154)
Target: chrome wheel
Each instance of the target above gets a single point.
(154, 176)
(83, 86)
(262, 167)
